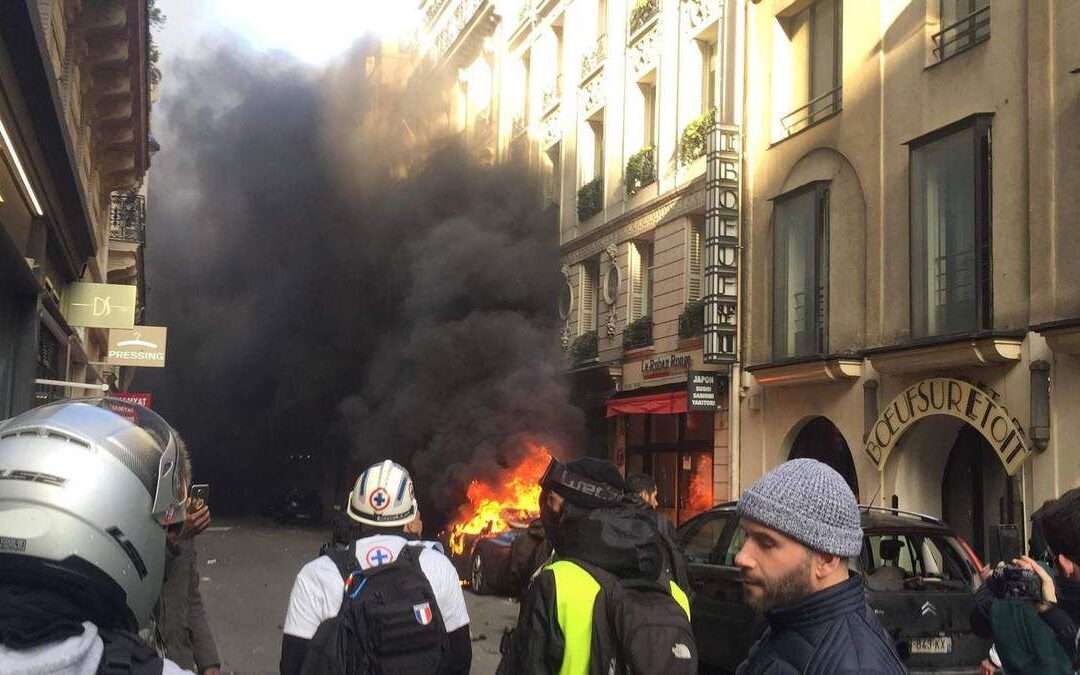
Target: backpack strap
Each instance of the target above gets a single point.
(345, 560)
(125, 654)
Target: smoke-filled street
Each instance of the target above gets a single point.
(247, 567)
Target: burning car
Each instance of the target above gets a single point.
(496, 513)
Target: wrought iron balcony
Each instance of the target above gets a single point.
(552, 94)
(127, 217)
(963, 34)
(813, 112)
(519, 125)
(592, 60)
(643, 11)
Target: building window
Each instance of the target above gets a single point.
(641, 279)
(964, 24)
(648, 103)
(800, 274)
(677, 451)
(708, 75)
(553, 186)
(950, 230)
(590, 298)
(816, 32)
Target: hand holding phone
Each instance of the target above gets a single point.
(200, 495)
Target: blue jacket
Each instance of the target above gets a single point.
(833, 631)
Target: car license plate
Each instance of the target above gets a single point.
(934, 645)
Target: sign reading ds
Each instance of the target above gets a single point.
(100, 305)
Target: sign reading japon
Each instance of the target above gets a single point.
(100, 305)
(142, 346)
(722, 244)
(956, 398)
(701, 391)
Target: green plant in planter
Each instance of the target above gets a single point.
(694, 137)
(643, 11)
(640, 170)
(692, 320)
(590, 199)
(638, 334)
(584, 349)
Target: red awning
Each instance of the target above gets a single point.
(665, 403)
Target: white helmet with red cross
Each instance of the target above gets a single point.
(383, 496)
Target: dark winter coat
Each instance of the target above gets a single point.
(182, 626)
(832, 632)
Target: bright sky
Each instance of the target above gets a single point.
(315, 31)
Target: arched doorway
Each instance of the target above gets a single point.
(820, 439)
(979, 500)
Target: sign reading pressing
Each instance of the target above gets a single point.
(946, 396)
(701, 391)
(100, 305)
(141, 346)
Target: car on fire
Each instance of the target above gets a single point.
(483, 560)
(919, 577)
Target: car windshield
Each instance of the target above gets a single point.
(913, 562)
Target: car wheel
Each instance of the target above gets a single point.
(476, 575)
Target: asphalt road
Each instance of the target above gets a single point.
(247, 569)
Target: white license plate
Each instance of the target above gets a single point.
(934, 645)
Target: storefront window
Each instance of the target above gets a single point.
(677, 451)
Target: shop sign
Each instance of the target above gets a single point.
(664, 366)
(139, 398)
(701, 391)
(956, 398)
(100, 305)
(721, 268)
(142, 346)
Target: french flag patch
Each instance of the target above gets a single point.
(422, 613)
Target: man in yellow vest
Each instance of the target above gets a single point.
(591, 523)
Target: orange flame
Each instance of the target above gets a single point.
(496, 508)
(701, 497)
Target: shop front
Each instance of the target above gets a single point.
(670, 422)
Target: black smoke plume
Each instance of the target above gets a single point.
(322, 305)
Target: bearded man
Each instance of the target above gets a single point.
(802, 525)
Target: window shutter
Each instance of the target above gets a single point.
(588, 297)
(637, 283)
(693, 262)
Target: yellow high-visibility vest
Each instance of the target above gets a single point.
(575, 594)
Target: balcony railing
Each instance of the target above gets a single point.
(590, 199)
(813, 112)
(643, 11)
(592, 60)
(127, 217)
(640, 170)
(552, 94)
(519, 125)
(963, 34)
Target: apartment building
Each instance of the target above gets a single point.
(619, 107)
(912, 296)
(75, 81)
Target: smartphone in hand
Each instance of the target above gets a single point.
(200, 495)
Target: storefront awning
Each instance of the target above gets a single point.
(663, 403)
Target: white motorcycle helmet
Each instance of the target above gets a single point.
(86, 490)
(383, 496)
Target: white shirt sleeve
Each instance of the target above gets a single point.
(444, 581)
(310, 602)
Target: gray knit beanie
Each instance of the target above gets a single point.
(809, 502)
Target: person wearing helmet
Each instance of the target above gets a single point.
(383, 577)
(87, 488)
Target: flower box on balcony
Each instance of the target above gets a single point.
(695, 136)
(584, 349)
(641, 13)
(640, 170)
(590, 199)
(638, 334)
(692, 320)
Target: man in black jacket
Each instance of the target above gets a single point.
(643, 486)
(1058, 522)
(802, 524)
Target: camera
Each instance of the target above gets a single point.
(1016, 583)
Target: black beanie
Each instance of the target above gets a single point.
(596, 470)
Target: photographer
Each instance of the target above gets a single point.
(1021, 642)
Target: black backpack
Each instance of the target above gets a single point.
(389, 621)
(125, 653)
(639, 628)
